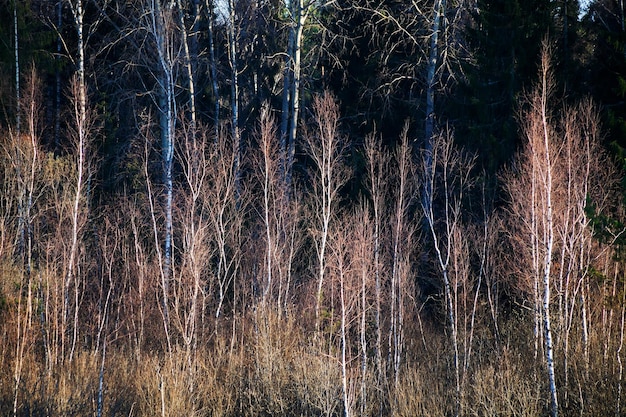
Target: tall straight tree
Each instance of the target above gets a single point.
(209, 5)
(190, 50)
(232, 26)
(534, 198)
(298, 12)
(326, 149)
(161, 30)
(16, 49)
(539, 132)
(81, 128)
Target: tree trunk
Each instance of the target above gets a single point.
(213, 68)
(431, 69)
(234, 92)
(16, 45)
(548, 231)
(189, 61)
(80, 113)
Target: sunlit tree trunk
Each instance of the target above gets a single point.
(81, 128)
(539, 167)
(549, 242)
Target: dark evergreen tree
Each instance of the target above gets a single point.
(505, 37)
(603, 52)
(35, 40)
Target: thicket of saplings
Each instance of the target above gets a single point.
(281, 296)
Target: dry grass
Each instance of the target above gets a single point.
(504, 389)
(272, 368)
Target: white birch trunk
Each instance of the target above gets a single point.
(80, 115)
(455, 169)
(213, 68)
(234, 91)
(299, 10)
(431, 69)
(16, 45)
(549, 238)
(160, 27)
(189, 61)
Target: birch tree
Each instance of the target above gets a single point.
(16, 53)
(209, 6)
(447, 170)
(537, 209)
(158, 21)
(298, 14)
(82, 129)
(378, 161)
(326, 149)
(402, 188)
(279, 217)
(189, 33)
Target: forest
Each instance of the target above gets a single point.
(312, 208)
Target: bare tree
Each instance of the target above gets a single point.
(325, 148)
(194, 226)
(447, 171)
(160, 26)
(190, 52)
(279, 216)
(25, 158)
(82, 129)
(535, 201)
(209, 6)
(401, 240)
(378, 176)
(226, 208)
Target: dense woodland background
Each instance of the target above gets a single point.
(352, 207)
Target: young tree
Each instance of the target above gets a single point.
(24, 159)
(194, 227)
(447, 171)
(326, 149)
(226, 206)
(279, 216)
(377, 184)
(402, 188)
(539, 202)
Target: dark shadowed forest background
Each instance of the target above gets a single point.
(311, 208)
